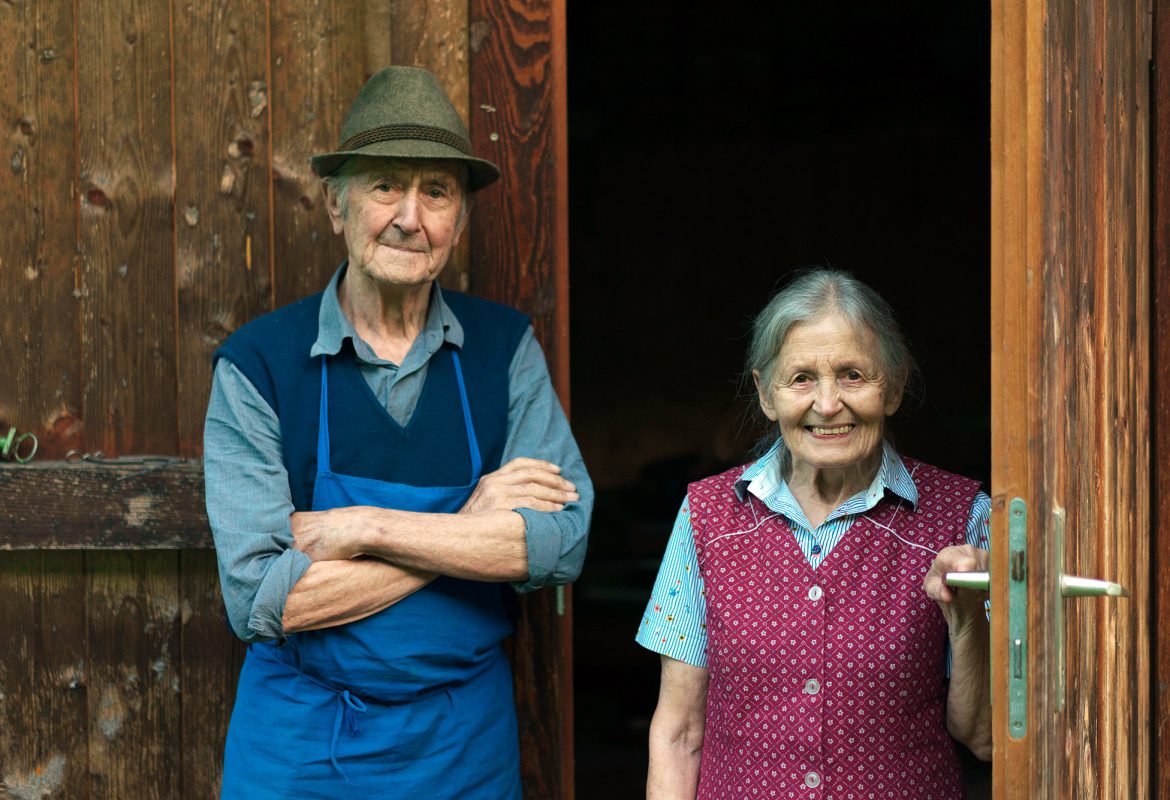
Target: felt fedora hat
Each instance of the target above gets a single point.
(402, 112)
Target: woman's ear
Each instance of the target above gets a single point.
(893, 401)
(765, 394)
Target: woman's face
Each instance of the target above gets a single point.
(828, 395)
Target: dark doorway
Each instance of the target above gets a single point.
(711, 153)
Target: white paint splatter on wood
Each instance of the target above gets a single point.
(42, 781)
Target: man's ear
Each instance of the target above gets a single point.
(765, 396)
(464, 215)
(333, 207)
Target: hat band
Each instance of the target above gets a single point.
(388, 133)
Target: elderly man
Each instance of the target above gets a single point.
(381, 460)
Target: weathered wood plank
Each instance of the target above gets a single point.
(134, 704)
(135, 506)
(520, 242)
(43, 677)
(127, 230)
(39, 329)
(1160, 394)
(223, 249)
(317, 68)
(210, 666)
(433, 34)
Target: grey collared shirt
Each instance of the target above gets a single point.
(248, 496)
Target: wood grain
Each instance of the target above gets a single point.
(52, 505)
(127, 227)
(209, 667)
(223, 248)
(39, 328)
(1160, 393)
(43, 677)
(520, 245)
(134, 704)
(318, 65)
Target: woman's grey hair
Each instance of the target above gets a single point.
(810, 296)
(340, 181)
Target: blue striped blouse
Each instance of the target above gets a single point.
(674, 623)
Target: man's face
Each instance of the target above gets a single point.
(403, 220)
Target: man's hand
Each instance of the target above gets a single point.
(959, 606)
(332, 535)
(522, 483)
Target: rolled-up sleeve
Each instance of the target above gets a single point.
(537, 428)
(248, 506)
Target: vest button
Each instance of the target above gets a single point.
(815, 593)
(812, 780)
(812, 686)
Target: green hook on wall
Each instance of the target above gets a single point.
(10, 447)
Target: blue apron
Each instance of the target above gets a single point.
(412, 702)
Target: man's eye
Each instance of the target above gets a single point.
(797, 380)
(853, 375)
(383, 187)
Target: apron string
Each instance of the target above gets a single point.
(348, 707)
(323, 421)
(472, 442)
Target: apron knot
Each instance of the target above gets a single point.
(348, 707)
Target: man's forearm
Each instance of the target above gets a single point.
(483, 546)
(333, 593)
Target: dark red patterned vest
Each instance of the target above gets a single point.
(826, 684)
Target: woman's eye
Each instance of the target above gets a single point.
(853, 375)
(799, 380)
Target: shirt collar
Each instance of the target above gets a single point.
(764, 479)
(333, 327)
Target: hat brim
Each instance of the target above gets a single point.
(482, 173)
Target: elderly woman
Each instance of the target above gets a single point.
(800, 610)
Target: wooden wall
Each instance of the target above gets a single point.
(157, 195)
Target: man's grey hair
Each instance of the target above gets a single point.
(814, 294)
(340, 181)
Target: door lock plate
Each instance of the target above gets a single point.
(1017, 618)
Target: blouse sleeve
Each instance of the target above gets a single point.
(979, 522)
(675, 621)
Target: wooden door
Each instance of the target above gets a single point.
(1070, 396)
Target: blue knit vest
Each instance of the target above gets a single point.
(272, 352)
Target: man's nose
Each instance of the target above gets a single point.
(406, 220)
(827, 401)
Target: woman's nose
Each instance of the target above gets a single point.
(827, 401)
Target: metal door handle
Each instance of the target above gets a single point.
(969, 580)
(1070, 585)
(1074, 586)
